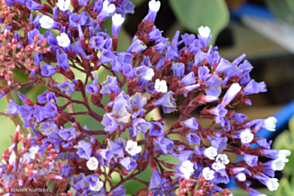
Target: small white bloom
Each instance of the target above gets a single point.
(208, 174)
(63, 5)
(272, 184)
(278, 165)
(154, 5)
(110, 8)
(63, 40)
(117, 19)
(218, 166)
(210, 152)
(241, 177)
(132, 147)
(204, 31)
(92, 163)
(98, 186)
(270, 123)
(149, 74)
(283, 155)
(33, 151)
(222, 158)
(160, 86)
(246, 136)
(11, 158)
(46, 22)
(187, 168)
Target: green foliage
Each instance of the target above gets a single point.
(283, 9)
(286, 141)
(195, 13)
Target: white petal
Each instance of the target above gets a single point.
(117, 20)
(204, 31)
(154, 5)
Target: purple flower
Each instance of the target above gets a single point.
(13, 108)
(84, 150)
(128, 163)
(92, 179)
(68, 134)
(193, 138)
(165, 145)
(136, 46)
(32, 5)
(254, 87)
(239, 117)
(62, 60)
(155, 180)
(109, 122)
(191, 123)
(48, 70)
(213, 86)
(156, 129)
(78, 182)
(107, 154)
(83, 2)
(165, 184)
(117, 147)
(188, 79)
(101, 41)
(110, 86)
(32, 34)
(167, 102)
(220, 112)
(139, 125)
(219, 143)
(251, 160)
(221, 176)
(118, 191)
(78, 49)
(67, 87)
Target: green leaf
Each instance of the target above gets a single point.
(291, 4)
(137, 2)
(281, 9)
(195, 13)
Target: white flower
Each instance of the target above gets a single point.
(241, 177)
(98, 186)
(246, 136)
(210, 152)
(222, 158)
(63, 40)
(109, 8)
(154, 5)
(11, 158)
(187, 168)
(33, 151)
(160, 86)
(218, 166)
(46, 22)
(63, 5)
(92, 163)
(204, 31)
(117, 19)
(208, 174)
(272, 184)
(132, 147)
(283, 154)
(149, 74)
(270, 123)
(278, 165)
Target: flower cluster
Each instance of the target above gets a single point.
(156, 72)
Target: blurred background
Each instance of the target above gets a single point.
(262, 29)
